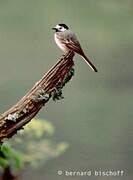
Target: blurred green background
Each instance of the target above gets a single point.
(95, 117)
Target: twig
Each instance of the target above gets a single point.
(50, 86)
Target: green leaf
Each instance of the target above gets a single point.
(3, 163)
(6, 150)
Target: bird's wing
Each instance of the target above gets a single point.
(70, 40)
(73, 44)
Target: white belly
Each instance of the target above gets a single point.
(60, 44)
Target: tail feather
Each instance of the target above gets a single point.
(85, 58)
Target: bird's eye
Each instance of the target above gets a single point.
(60, 28)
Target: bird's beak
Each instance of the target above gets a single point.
(54, 28)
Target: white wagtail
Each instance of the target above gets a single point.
(67, 41)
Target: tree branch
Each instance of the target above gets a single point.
(50, 86)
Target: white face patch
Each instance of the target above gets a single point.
(60, 28)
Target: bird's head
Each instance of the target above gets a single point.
(60, 28)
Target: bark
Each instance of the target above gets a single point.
(50, 86)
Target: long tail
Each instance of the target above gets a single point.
(85, 58)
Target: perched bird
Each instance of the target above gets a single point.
(67, 41)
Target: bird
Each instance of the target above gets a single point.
(67, 41)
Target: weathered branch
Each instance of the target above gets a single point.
(49, 86)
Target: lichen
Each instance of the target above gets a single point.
(40, 95)
(57, 91)
(68, 76)
(12, 117)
